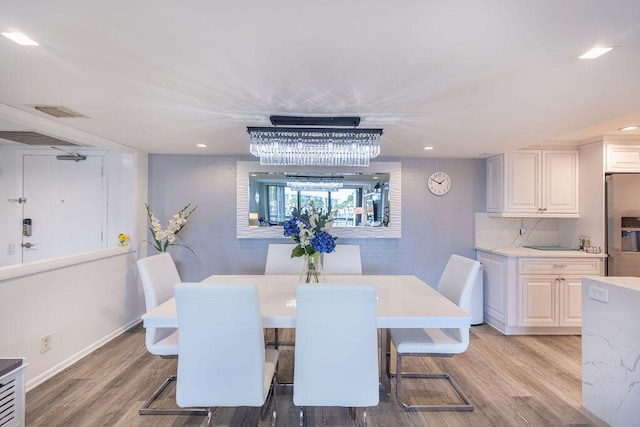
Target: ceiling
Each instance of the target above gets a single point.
(466, 77)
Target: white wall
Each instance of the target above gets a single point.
(83, 300)
(81, 305)
(10, 212)
(592, 209)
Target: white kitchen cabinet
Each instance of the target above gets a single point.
(571, 301)
(550, 300)
(534, 183)
(538, 301)
(535, 295)
(623, 158)
(495, 285)
(549, 290)
(494, 183)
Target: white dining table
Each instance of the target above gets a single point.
(403, 302)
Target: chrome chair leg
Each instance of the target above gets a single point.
(388, 353)
(271, 400)
(146, 409)
(354, 416)
(467, 406)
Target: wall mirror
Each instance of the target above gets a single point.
(366, 201)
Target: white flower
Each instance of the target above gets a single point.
(305, 237)
(162, 238)
(313, 220)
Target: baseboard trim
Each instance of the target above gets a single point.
(538, 330)
(34, 382)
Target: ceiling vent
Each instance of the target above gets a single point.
(58, 111)
(32, 138)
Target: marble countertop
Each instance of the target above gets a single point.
(632, 283)
(527, 252)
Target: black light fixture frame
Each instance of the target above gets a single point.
(345, 121)
(251, 129)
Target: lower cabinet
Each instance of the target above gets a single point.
(528, 295)
(550, 300)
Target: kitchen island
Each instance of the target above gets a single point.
(611, 348)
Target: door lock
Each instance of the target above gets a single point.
(26, 227)
(28, 245)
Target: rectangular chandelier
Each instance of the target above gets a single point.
(314, 183)
(312, 146)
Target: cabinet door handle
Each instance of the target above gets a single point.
(559, 265)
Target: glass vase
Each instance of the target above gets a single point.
(311, 269)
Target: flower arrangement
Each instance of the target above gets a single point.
(163, 238)
(310, 228)
(123, 239)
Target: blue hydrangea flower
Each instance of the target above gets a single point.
(323, 242)
(291, 227)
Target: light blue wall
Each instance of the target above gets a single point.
(432, 227)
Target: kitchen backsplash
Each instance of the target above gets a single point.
(495, 232)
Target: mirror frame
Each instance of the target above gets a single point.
(393, 231)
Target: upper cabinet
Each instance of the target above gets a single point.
(534, 183)
(623, 158)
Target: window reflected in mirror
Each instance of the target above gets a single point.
(356, 199)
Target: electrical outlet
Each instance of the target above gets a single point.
(12, 249)
(505, 231)
(45, 343)
(598, 294)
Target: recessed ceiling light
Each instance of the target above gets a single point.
(428, 148)
(21, 39)
(201, 145)
(595, 52)
(629, 128)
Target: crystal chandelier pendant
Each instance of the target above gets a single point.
(314, 146)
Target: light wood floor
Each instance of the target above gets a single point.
(513, 381)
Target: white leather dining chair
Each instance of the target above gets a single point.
(222, 360)
(279, 260)
(456, 283)
(345, 259)
(158, 274)
(336, 358)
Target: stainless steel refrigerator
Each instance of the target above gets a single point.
(623, 224)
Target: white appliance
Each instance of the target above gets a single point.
(477, 296)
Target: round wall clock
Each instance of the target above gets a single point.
(439, 183)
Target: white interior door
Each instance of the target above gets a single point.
(64, 204)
